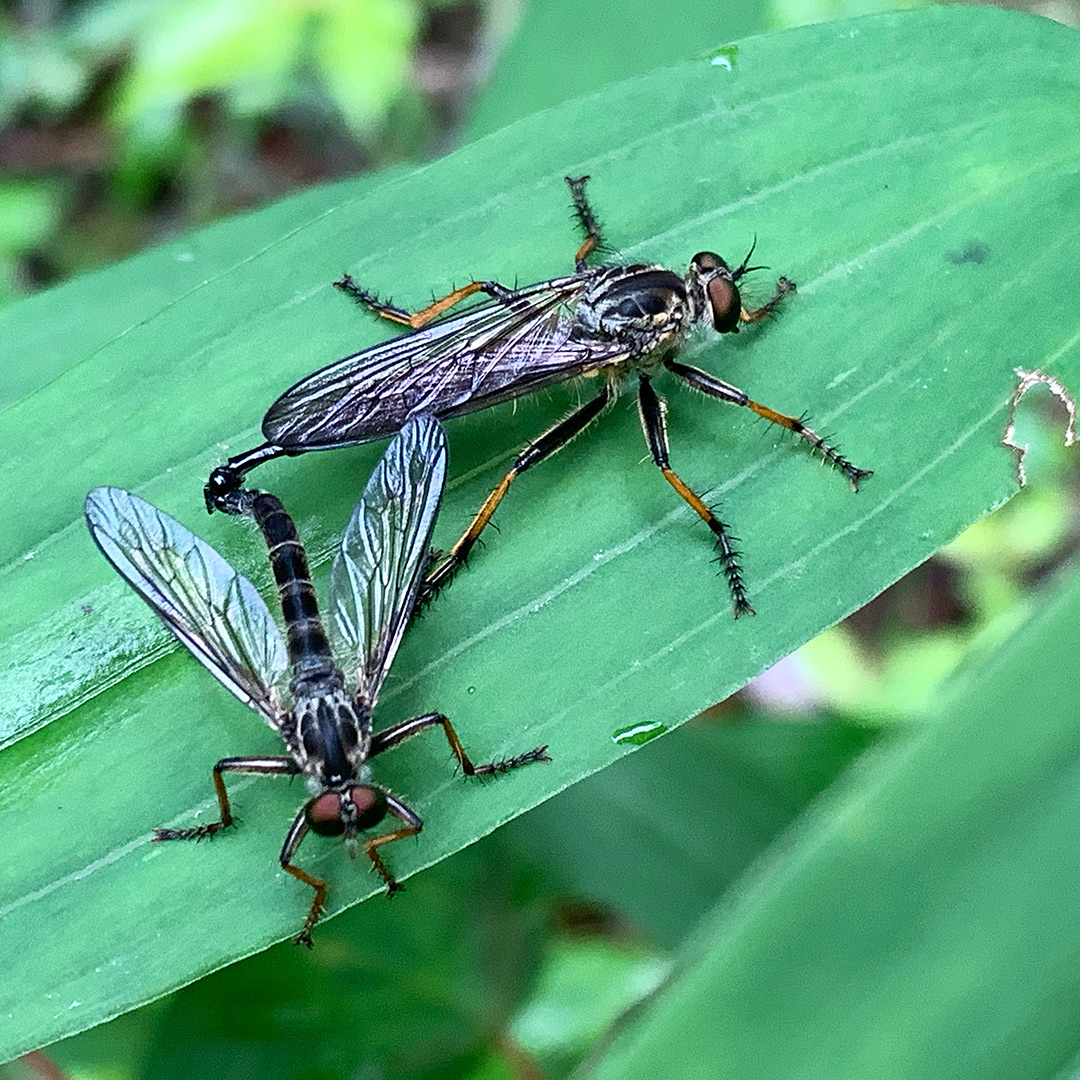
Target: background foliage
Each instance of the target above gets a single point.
(870, 914)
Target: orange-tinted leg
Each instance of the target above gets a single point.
(651, 410)
(393, 736)
(783, 287)
(268, 766)
(552, 440)
(417, 319)
(717, 388)
(588, 221)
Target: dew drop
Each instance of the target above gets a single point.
(724, 57)
(638, 734)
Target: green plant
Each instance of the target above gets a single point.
(866, 176)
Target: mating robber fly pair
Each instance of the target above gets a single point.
(611, 321)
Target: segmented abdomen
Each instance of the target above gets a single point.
(309, 650)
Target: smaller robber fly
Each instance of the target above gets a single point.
(609, 321)
(220, 617)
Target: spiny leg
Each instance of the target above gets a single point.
(717, 388)
(268, 766)
(417, 319)
(392, 736)
(588, 221)
(297, 833)
(652, 410)
(412, 825)
(547, 444)
(783, 286)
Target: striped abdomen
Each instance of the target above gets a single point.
(309, 650)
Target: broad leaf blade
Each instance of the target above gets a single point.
(921, 204)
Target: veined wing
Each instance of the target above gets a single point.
(488, 354)
(213, 610)
(378, 568)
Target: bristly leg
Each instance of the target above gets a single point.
(318, 902)
(199, 832)
(417, 319)
(651, 410)
(728, 557)
(552, 440)
(265, 766)
(784, 286)
(829, 451)
(587, 218)
(717, 388)
(537, 753)
(382, 741)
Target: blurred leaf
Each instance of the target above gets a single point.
(364, 51)
(661, 834)
(922, 922)
(108, 27)
(893, 673)
(862, 173)
(586, 984)
(29, 211)
(196, 46)
(37, 72)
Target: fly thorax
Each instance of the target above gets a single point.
(332, 737)
(643, 307)
(316, 680)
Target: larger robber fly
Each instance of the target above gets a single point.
(612, 321)
(317, 692)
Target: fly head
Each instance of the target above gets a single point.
(347, 812)
(715, 288)
(713, 281)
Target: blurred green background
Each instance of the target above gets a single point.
(126, 122)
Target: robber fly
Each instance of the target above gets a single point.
(609, 321)
(220, 617)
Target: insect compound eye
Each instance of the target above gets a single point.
(370, 805)
(726, 304)
(705, 261)
(324, 815)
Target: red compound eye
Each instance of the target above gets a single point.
(324, 815)
(726, 304)
(370, 805)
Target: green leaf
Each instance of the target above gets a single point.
(870, 158)
(697, 809)
(919, 924)
(554, 55)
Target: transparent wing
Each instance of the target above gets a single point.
(378, 568)
(489, 354)
(212, 609)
